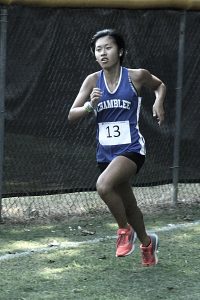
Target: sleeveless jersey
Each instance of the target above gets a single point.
(118, 119)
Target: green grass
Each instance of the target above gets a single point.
(91, 271)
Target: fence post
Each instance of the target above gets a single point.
(179, 90)
(3, 33)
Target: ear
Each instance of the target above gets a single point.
(121, 51)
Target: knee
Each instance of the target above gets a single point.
(103, 187)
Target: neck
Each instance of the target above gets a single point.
(112, 75)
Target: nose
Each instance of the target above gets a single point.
(103, 52)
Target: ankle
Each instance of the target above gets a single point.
(146, 242)
(126, 226)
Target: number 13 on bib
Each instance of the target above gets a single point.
(114, 133)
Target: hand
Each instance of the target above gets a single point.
(158, 112)
(95, 96)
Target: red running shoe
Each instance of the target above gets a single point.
(149, 254)
(125, 241)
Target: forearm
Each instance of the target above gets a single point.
(160, 93)
(158, 107)
(77, 113)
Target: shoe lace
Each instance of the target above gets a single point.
(147, 254)
(122, 239)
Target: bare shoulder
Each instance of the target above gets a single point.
(138, 75)
(85, 90)
(91, 79)
(142, 77)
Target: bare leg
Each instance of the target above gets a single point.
(114, 188)
(133, 212)
(118, 171)
(106, 184)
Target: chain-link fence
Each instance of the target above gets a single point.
(56, 207)
(49, 165)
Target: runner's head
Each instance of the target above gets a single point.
(114, 36)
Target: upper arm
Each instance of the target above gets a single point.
(142, 77)
(84, 93)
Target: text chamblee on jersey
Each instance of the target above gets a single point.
(114, 103)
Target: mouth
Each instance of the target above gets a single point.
(104, 60)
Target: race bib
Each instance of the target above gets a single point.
(114, 133)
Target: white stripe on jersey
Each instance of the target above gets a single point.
(141, 139)
(119, 81)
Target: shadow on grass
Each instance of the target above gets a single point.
(93, 272)
(22, 237)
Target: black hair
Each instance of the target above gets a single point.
(112, 33)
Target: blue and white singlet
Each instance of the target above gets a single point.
(117, 119)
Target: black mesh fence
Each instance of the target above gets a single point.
(48, 57)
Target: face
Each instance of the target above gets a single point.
(106, 52)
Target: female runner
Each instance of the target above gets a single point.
(113, 94)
